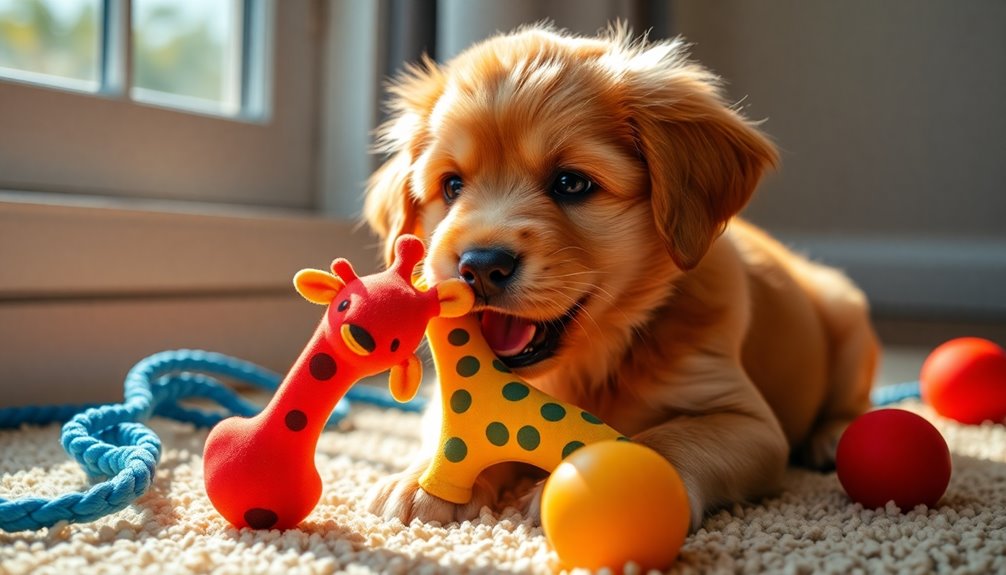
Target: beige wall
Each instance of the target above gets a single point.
(893, 135)
(889, 114)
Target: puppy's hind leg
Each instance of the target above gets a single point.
(853, 360)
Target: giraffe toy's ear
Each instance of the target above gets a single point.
(456, 297)
(317, 286)
(405, 378)
(344, 270)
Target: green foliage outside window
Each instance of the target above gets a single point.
(175, 50)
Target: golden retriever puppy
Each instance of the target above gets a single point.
(586, 188)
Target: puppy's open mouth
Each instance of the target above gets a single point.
(521, 342)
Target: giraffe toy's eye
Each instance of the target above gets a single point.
(343, 305)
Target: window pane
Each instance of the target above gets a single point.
(187, 54)
(51, 41)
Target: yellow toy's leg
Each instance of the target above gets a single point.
(455, 484)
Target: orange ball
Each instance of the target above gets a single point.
(612, 502)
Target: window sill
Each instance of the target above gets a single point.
(56, 247)
(89, 288)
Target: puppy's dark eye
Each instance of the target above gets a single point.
(571, 185)
(452, 188)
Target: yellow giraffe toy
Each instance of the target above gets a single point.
(492, 416)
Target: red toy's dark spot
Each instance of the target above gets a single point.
(296, 420)
(260, 518)
(322, 366)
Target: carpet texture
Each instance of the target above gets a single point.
(810, 527)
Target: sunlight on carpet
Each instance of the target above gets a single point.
(810, 527)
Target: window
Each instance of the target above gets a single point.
(187, 54)
(180, 103)
(52, 42)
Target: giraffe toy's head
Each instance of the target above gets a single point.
(377, 321)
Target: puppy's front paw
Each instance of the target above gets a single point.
(400, 496)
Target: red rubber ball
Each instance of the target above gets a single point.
(893, 455)
(965, 379)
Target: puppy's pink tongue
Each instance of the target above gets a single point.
(506, 335)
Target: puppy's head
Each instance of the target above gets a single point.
(569, 180)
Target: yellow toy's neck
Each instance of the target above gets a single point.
(460, 351)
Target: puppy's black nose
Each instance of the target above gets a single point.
(488, 271)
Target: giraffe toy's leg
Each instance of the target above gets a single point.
(258, 474)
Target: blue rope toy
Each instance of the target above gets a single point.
(119, 453)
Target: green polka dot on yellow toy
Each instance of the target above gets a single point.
(497, 434)
(528, 438)
(468, 366)
(553, 411)
(461, 400)
(570, 448)
(515, 391)
(455, 450)
(458, 337)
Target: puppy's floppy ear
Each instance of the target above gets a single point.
(704, 158)
(390, 206)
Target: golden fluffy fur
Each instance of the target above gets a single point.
(694, 332)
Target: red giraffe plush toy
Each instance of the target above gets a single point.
(260, 471)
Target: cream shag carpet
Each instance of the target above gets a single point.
(811, 527)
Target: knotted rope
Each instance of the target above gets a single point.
(119, 453)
